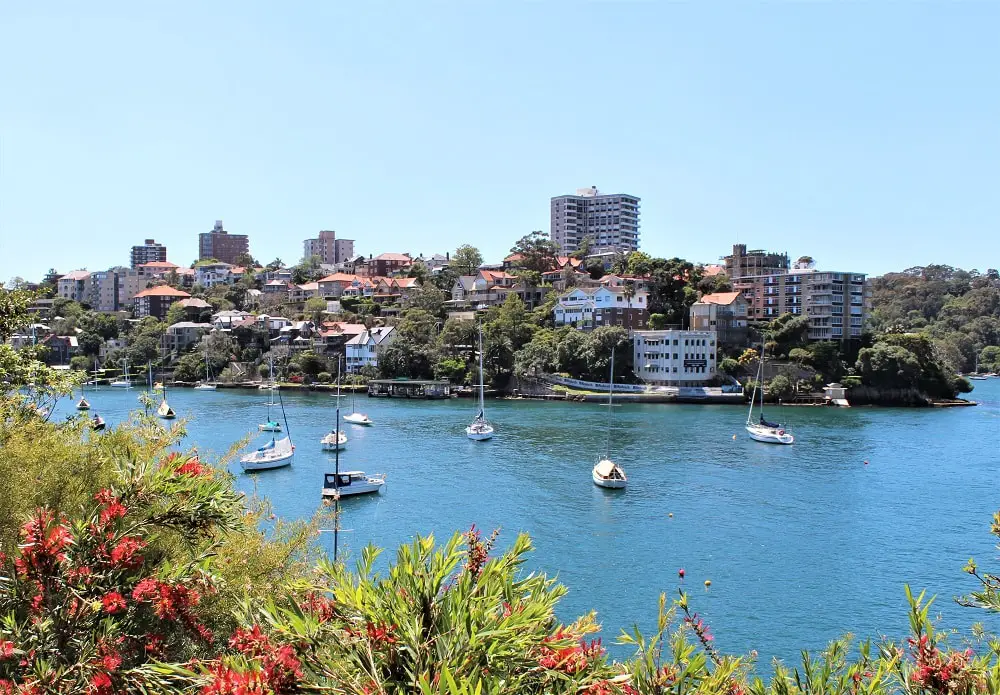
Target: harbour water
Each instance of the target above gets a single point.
(801, 543)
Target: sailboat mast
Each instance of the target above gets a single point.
(482, 398)
(611, 389)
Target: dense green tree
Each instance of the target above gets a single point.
(989, 359)
(429, 298)
(450, 368)
(889, 366)
(418, 270)
(637, 264)
(458, 336)
(315, 308)
(310, 363)
(176, 314)
(466, 260)
(595, 268)
(539, 356)
(307, 270)
(536, 252)
(780, 387)
(417, 325)
(404, 357)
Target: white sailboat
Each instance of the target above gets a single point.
(354, 417)
(480, 430)
(271, 425)
(273, 454)
(976, 376)
(83, 404)
(607, 473)
(123, 382)
(164, 410)
(345, 483)
(762, 430)
(336, 440)
(207, 384)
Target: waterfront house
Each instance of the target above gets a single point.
(156, 301)
(185, 333)
(212, 274)
(674, 357)
(722, 312)
(363, 350)
(592, 307)
(332, 336)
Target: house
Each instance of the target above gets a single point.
(593, 307)
(184, 333)
(272, 324)
(297, 335)
(384, 264)
(674, 358)
(157, 269)
(195, 307)
(156, 301)
(275, 287)
(333, 286)
(225, 320)
(73, 285)
(61, 348)
(363, 350)
(211, 274)
(722, 312)
(463, 287)
(300, 293)
(531, 295)
(333, 335)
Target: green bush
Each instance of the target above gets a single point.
(324, 377)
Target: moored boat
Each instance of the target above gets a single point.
(762, 430)
(606, 473)
(83, 404)
(480, 429)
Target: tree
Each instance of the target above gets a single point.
(657, 322)
(536, 252)
(418, 326)
(637, 264)
(583, 250)
(451, 369)
(246, 260)
(466, 260)
(276, 264)
(458, 336)
(418, 270)
(596, 268)
(176, 313)
(888, 366)
(405, 358)
(989, 359)
(538, 356)
(780, 387)
(315, 308)
(429, 298)
(310, 363)
(308, 270)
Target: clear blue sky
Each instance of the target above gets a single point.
(864, 134)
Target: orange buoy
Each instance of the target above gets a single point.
(680, 573)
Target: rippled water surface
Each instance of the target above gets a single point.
(802, 543)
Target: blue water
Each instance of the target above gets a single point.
(801, 543)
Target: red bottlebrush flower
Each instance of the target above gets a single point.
(111, 506)
(226, 681)
(42, 544)
(602, 687)
(6, 687)
(125, 553)
(100, 684)
(380, 634)
(146, 589)
(250, 642)
(322, 607)
(154, 645)
(6, 650)
(111, 661)
(571, 659)
(113, 602)
(192, 468)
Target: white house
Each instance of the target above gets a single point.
(363, 349)
(211, 274)
(674, 358)
(593, 307)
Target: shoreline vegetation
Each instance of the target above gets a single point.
(130, 564)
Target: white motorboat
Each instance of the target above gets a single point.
(202, 386)
(165, 411)
(347, 483)
(607, 473)
(762, 430)
(275, 454)
(480, 430)
(83, 404)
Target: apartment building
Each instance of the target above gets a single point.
(722, 312)
(156, 301)
(149, 252)
(674, 357)
(221, 245)
(837, 303)
(610, 221)
(113, 289)
(212, 274)
(363, 349)
(74, 285)
(742, 263)
(330, 249)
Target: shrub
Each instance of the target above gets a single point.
(324, 377)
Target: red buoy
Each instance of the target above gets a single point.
(680, 573)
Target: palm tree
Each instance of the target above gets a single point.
(628, 289)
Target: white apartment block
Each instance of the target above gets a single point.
(212, 274)
(74, 286)
(674, 358)
(363, 350)
(611, 221)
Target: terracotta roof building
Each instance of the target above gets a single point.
(156, 301)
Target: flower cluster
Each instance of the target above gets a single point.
(43, 545)
(941, 672)
(279, 669)
(570, 659)
(172, 602)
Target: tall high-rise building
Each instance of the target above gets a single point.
(147, 253)
(329, 248)
(611, 222)
(221, 245)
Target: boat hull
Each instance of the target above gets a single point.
(266, 464)
(360, 488)
(205, 387)
(80, 406)
(120, 385)
(358, 419)
(769, 436)
(331, 443)
(608, 483)
(479, 434)
(269, 427)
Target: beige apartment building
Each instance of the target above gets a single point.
(722, 312)
(742, 263)
(610, 221)
(837, 303)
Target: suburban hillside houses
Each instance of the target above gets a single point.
(587, 308)
(722, 312)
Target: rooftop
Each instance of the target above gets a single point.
(162, 291)
(721, 298)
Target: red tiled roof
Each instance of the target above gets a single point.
(722, 298)
(710, 270)
(339, 277)
(393, 257)
(163, 291)
(405, 282)
(159, 264)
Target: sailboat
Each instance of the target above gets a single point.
(336, 440)
(976, 376)
(480, 430)
(270, 425)
(354, 417)
(123, 382)
(94, 374)
(341, 484)
(275, 453)
(83, 404)
(206, 385)
(164, 411)
(607, 473)
(762, 430)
